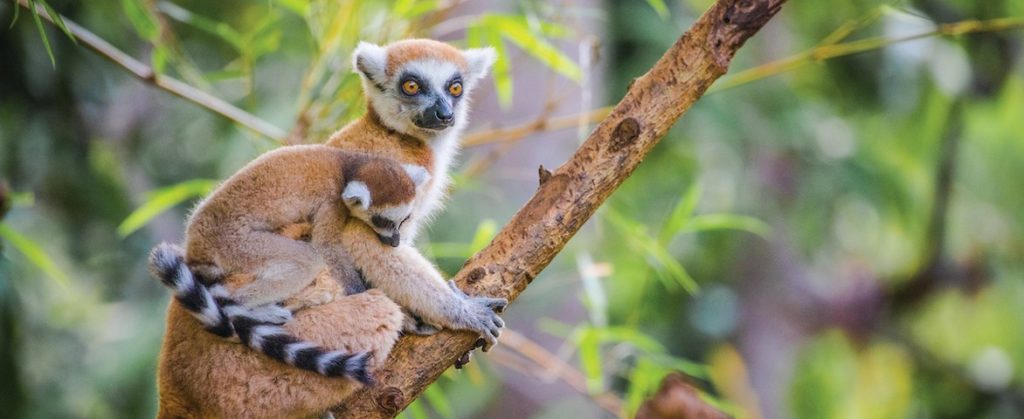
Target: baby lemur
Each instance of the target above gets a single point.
(348, 199)
(418, 103)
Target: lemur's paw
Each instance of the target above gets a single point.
(497, 304)
(464, 359)
(270, 314)
(483, 319)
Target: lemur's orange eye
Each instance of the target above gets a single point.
(455, 89)
(410, 87)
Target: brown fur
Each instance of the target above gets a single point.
(204, 376)
(235, 229)
(409, 50)
(294, 191)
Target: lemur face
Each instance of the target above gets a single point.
(383, 200)
(418, 86)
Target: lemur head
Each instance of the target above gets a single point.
(380, 192)
(419, 87)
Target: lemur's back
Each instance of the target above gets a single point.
(281, 187)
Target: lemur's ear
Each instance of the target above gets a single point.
(356, 194)
(479, 61)
(370, 60)
(418, 174)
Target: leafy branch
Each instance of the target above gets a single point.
(830, 48)
(146, 74)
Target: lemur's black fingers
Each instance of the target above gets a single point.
(499, 322)
(496, 332)
(479, 343)
(463, 360)
(489, 342)
(497, 304)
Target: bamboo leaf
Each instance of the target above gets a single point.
(163, 199)
(298, 7)
(680, 214)
(17, 12)
(219, 29)
(58, 20)
(438, 401)
(415, 410)
(42, 32)
(502, 70)
(484, 234)
(142, 20)
(659, 7)
(633, 337)
(34, 254)
(517, 30)
(590, 359)
(727, 222)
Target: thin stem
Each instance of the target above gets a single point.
(181, 89)
(551, 366)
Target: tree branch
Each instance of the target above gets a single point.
(177, 87)
(573, 193)
(829, 49)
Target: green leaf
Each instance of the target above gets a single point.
(447, 250)
(219, 29)
(517, 30)
(17, 12)
(727, 222)
(409, 9)
(680, 214)
(58, 20)
(484, 234)
(299, 7)
(481, 35)
(22, 199)
(163, 199)
(145, 24)
(42, 32)
(437, 400)
(590, 359)
(659, 7)
(159, 59)
(416, 411)
(502, 70)
(671, 272)
(633, 337)
(34, 254)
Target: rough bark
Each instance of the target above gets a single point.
(569, 196)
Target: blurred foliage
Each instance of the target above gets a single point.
(759, 249)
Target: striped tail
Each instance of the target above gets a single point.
(167, 262)
(258, 328)
(276, 343)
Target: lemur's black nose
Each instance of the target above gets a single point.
(444, 115)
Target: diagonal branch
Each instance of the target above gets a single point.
(570, 195)
(174, 86)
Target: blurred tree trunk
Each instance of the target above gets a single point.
(568, 197)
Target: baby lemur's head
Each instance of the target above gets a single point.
(380, 192)
(419, 86)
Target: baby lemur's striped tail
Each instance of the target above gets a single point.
(258, 328)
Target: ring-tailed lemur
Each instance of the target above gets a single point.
(231, 231)
(353, 202)
(200, 376)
